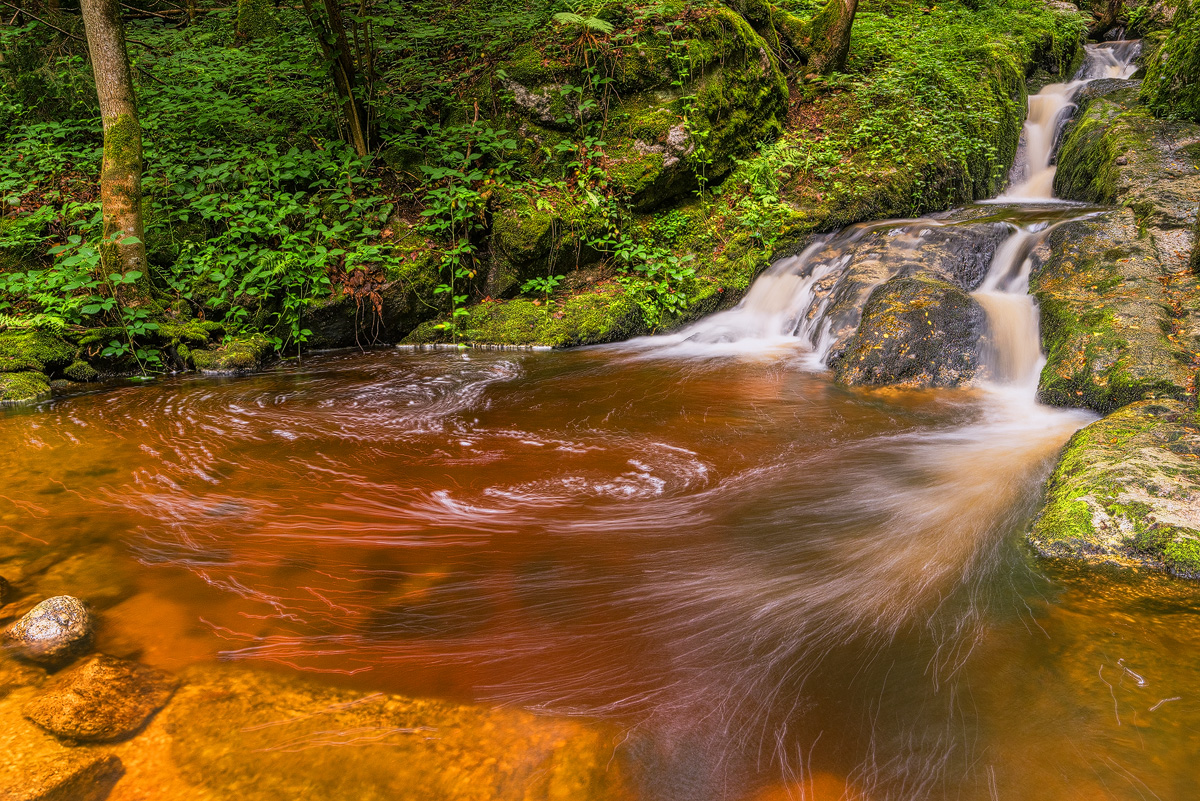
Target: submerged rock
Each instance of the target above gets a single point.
(258, 736)
(915, 332)
(53, 632)
(68, 776)
(102, 700)
(1127, 491)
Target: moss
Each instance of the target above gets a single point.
(1125, 490)
(237, 356)
(603, 315)
(81, 371)
(21, 387)
(1171, 87)
(34, 350)
(254, 20)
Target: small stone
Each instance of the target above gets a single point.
(53, 632)
(102, 700)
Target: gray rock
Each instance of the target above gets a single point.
(1126, 491)
(915, 332)
(53, 632)
(102, 700)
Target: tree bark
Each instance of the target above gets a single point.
(820, 44)
(830, 36)
(341, 64)
(123, 248)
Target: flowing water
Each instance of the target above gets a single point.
(781, 588)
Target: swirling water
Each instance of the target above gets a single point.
(770, 580)
(780, 587)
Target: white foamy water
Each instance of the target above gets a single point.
(1032, 177)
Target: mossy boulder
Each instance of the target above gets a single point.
(1117, 152)
(372, 307)
(604, 314)
(1116, 293)
(915, 332)
(243, 355)
(80, 371)
(1108, 319)
(683, 98)
(20, 387)
(1127, 491)
(34, 350)
(537, 233)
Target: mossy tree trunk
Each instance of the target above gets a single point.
(829, 36)
(254, 20)
(121, 171)
(820, 45)
(331, 36)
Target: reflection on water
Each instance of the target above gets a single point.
(778, 585)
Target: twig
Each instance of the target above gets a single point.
(142, 11)
(70, 35)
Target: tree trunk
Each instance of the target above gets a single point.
(1109, 19)
(121, 172)
(830, 36)
(341, 64)
(820, 44)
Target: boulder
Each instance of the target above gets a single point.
(104, 699)
(68, 776)
(864, 257)
(26, 386)
(915, 332)
(53, 632)
(235, 357)
(1120, 303)
(1126, 491)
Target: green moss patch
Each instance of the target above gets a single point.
(1127, 490)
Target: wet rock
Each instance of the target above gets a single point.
(258, 736)
(915, 332)
(68, 776)
(102, 700)
(958, 253)
(1127, 491)
(1109, 325)
(53, 632)
(1119, 302)
(239, 356)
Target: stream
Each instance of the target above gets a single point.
(778, 586)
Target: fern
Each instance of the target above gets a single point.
(602, 27)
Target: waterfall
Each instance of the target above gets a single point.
(1032, 176)
(812, 302)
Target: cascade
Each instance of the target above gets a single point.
(801, 301)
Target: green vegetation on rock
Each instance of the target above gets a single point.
(1127, 491)
(1171, 87)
